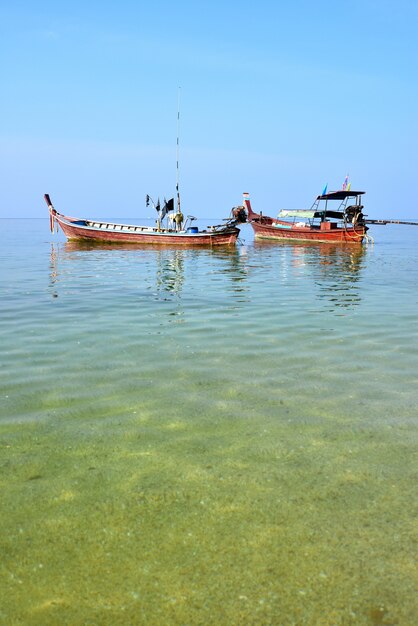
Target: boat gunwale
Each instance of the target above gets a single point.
(89, 225)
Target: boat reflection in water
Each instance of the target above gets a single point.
(158, 270)
(169, 271)
(155, 272)
(335, 269)
(328, 273)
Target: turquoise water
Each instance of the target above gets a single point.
(208, 436)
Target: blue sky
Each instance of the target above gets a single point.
(277, 98)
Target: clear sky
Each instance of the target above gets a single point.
(277, 98)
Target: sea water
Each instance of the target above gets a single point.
(208, 436)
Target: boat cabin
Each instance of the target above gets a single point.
(320, 215)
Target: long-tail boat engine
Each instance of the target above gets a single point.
(239, 214)
(354, 215)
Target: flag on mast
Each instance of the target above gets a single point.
(167, 208)
(345, 183)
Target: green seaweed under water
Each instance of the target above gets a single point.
(219, 444)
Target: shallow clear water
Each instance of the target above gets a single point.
(208, 436)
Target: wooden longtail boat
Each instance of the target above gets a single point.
(108, 232)
(319, 223)
(176, 231)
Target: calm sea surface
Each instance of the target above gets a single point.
(200, 437)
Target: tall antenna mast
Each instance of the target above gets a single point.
(178, 131)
